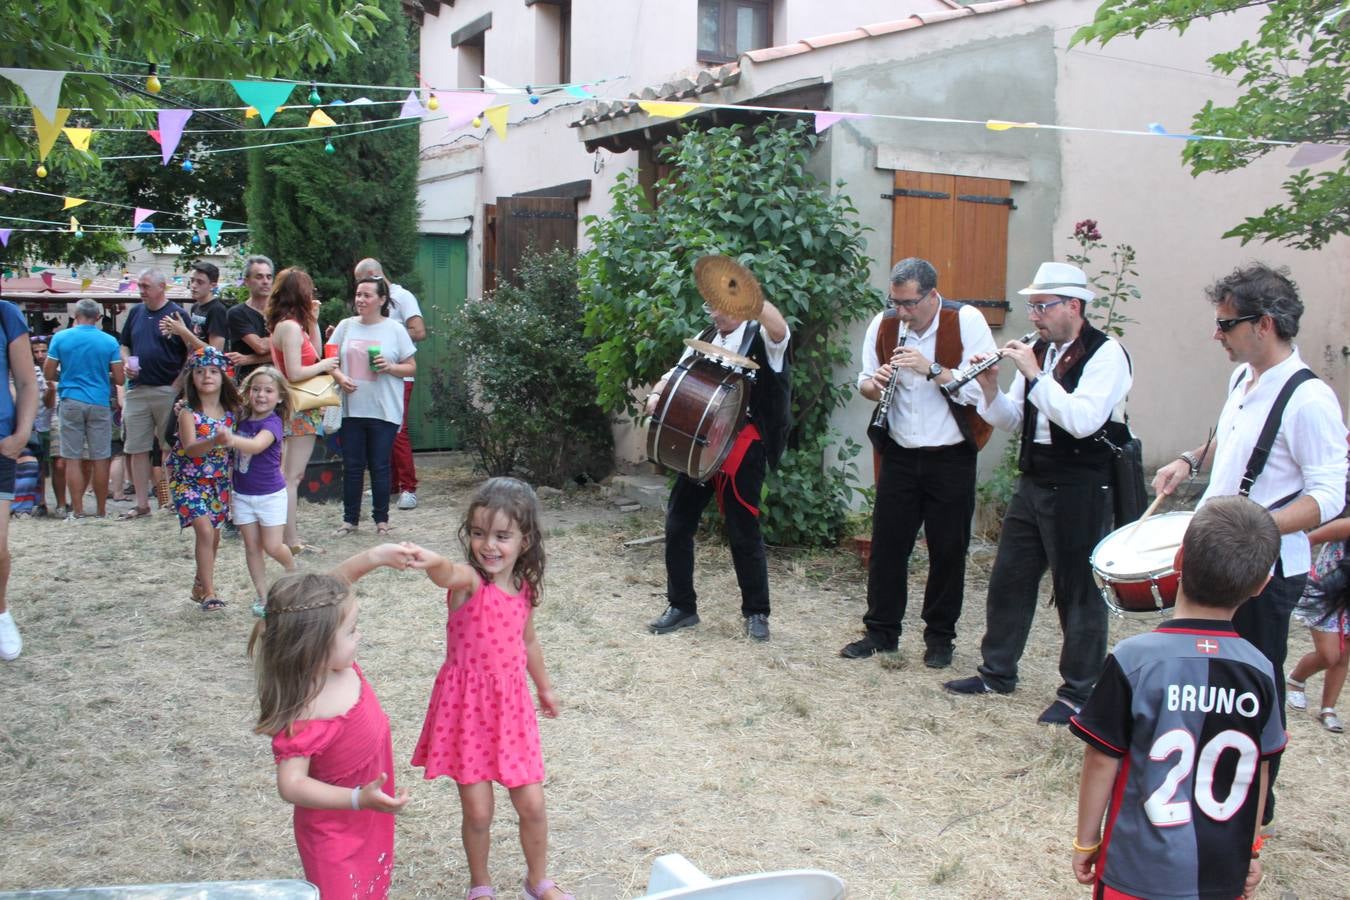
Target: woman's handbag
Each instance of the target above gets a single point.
(314, 393)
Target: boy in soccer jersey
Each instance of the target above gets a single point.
(1191, 711)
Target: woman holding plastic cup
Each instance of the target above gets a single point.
(376, 354)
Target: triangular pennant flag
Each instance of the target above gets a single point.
(665, 109)
(250, 112)
(1309, 154)
(85, 282)
(4, 236)
(826, 119)
(461, 107)
(264, 96)
(43, 87)
(155, 136)
(500, 87)
(171, 122)
(141, 215)
(1000, 125)
(411, 107)
(37, 269)
(72, 202)
(496, 116)
(320, 119)
(48, 130)
(577, 90)
(145, 228)
(79, 137)
(361, 101)
(46, 278)
(74, 224)
(1158, 129)
(213, 229)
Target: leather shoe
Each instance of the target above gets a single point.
(937, 657)
(757, 627)
(864, 647)
(1057, 713)
(672, 619)
(972, 685)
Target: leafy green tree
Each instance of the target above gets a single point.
(747, 195)
(325, 211)
(203, 38)
(1295, 81)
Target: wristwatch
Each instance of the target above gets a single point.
(934, 371)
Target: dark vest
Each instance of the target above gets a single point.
(1087, 456)
(950, 354)
(770, 405)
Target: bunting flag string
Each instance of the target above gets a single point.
(72, 202)
(264, 96)
(139, 214)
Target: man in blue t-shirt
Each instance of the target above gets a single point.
(16, 424)
(1181, 729)
(90, 363)
(153, 356)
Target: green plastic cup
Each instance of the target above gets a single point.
(373, 352)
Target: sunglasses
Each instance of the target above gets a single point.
(1227, 325)
(1038, 309)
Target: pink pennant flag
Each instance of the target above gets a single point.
(462, 107)
(171, 122)
(826, 119)
(141, 215)
(46, 278)
(124, 286)
(155, 136)
(411, 107)
(1309, 154)
(4, 236)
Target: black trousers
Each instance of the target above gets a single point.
(1031, 541)
(687, 501)
(1264, 622)
(933, 488)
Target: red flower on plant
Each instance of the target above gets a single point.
(1087, 230)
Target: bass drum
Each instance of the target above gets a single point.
(697, 418)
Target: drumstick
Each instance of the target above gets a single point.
(1148, 512)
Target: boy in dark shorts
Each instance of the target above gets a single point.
(1191, 710)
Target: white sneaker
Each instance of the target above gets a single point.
(407, 500)
(10, 642)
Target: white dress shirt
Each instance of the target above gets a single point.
(775, 350)
(919, 415)
(1308, 455)
(1103, 385)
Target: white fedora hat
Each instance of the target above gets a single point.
(1059, 278)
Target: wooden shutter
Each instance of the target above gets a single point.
(960, 225)
(532, 225)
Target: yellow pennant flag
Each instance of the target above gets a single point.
(496, 116)
(79, 137)
(85, 282)
(320, 119)
(74, 224)
(999, 125)
(48, 131)
(666, 109)
(250, 113)
(72, 202)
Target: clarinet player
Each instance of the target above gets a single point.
(927, 448)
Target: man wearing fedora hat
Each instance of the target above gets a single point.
(1061, 402)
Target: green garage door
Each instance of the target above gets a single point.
(443, 266)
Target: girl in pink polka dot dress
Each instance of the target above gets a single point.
(480, 725)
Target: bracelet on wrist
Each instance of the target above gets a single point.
(356, 798)
(1089, 849)
(1189, 459)
(1257, 845)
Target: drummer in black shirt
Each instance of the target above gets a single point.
(763, 336)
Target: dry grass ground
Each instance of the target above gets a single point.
(126, 753)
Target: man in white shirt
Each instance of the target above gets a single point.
(1067, 386)
(927, 458)
(1257, 312)
(403, 308)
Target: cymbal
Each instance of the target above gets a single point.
(720, 354)
(728, 287)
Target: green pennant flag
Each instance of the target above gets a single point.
(213, 229)
(264, 96)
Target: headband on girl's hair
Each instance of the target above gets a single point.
(209, 357)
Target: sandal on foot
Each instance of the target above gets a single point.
(302, 547)
(344, 529)
(480, 891)
(383, 529)
(1329, 720)
(539, 890)
(1294, 697)
(212, 604)
(136, 512)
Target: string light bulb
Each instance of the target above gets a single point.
(152, 80)
(314, 98)
(187, 165)
(329, 148)
(41, 171)
(534, 98)
(433, 104)
(477, 122)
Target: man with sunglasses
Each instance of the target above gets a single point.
(926, 469)
(1061, 402)
(1257, 312)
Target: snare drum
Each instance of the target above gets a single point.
(696, 420)
(1134, 565)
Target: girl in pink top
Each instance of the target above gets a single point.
(330, 738)
(480, 725)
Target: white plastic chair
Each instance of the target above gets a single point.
(674, 877)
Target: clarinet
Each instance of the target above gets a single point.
(878, 430)
(961, 377)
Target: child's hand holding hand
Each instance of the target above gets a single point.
(421, 557)
(395, 556)
(223, 437)
(548, 703)
(373, 797)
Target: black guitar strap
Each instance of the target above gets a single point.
(1261, 452)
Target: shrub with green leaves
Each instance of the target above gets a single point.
(748, 195)
(517, 389)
